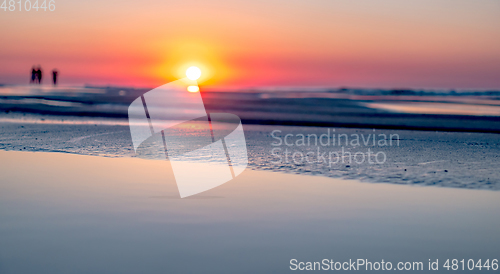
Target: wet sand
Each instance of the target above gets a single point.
(65, 213)
(448, 159)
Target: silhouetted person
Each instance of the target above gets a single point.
(54, 76)
(39, 75)
(33, 75)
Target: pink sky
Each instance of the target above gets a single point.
(238, 44)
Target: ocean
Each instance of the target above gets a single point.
(459, 148)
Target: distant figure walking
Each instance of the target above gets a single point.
(54, 76)
(39, 75)
(33, 75)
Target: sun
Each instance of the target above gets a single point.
(193, 73)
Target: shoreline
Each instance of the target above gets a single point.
(449, 159)
(348, 108)
(163, 163)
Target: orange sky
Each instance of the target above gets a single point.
(238, 44)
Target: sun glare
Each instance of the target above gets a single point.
(193, 73)
(193, 89)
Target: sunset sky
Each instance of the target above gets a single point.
(259, 43)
